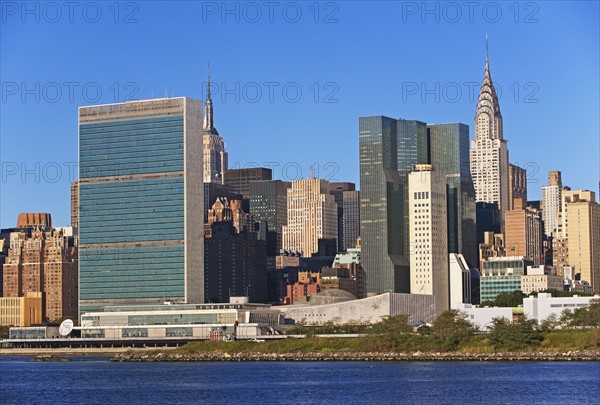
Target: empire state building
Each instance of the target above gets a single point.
(489, 152)
(215, 157)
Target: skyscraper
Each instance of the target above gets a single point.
(346, 198)
(582, 229)
(351, 218)
(215, 157)
(140, 203)
(312, 215)
(388, 150)
(489, 152)
(523, 232)
(268, 202)
(428, 235)
(449, 151)
(551, 202)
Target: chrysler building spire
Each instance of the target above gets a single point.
(488, 119)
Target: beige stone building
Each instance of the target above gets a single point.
(540, 282)
(312, 215)
(43, 261)
(21, 311)
(582, 230)
(523, 232)
(429, 268)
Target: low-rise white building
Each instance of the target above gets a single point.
(482, 317)
(544, 305)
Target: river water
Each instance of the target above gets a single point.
(95, 380)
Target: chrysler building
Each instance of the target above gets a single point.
(489, 153)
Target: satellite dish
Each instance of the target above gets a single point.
(65, 327)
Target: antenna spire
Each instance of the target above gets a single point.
(486, 47)
(208, 89)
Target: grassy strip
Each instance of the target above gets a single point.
(554, 341)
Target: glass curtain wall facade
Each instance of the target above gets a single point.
(268, 202)
(388, 150)
(141, 203)
(449, 149)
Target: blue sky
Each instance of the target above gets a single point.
(290, 81)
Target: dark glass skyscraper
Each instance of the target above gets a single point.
(268, 202)
(449, 154)
(140, 203)
(388, 150)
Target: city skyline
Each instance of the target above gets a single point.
(395, 89)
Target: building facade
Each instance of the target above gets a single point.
(388, 149)
(492, 246)
(34, 219)
(214, 191)
(459, 281)
(541, 282)
(140, 203)
(502, 275)
(489, 152)
(351, 219)
(312, 215)
(544, 305)
(582, 230)
(449, 155)
(524, 232)
(346, 198)
(21, 311)
(75, 204)
(268, 202)
(240, 179)
(45, 262)
(428, 235)
(235, 264)
(517, 183)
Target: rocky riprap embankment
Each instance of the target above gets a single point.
(362, 356)
(49, 358)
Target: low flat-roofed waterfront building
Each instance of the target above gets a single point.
(179, 320)
(544, 305)
(420, 308)
(482, 317)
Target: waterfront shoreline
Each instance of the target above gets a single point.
(164, 355)
(355, 356)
